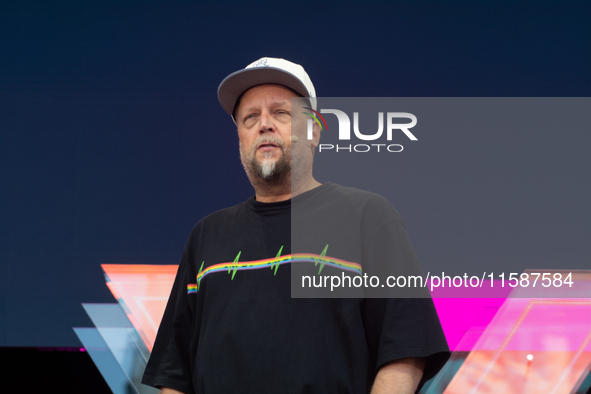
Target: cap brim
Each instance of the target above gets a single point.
(237, 83)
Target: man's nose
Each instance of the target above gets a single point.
(267, 124)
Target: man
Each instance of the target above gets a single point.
(231, 325)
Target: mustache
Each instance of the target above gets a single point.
(267, 138)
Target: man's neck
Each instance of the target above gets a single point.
(283, 192)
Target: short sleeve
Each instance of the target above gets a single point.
(170, 362)
(397, 327)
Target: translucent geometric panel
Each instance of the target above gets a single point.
(531, 346)
(122, 353)
(108, 316)
(104, 360)
(464, 319)
(142, 291)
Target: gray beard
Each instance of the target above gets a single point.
(268, 170)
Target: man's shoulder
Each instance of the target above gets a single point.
(229, 211)
(223, 214)
(364, 202)
(358, 195)
(219, 219)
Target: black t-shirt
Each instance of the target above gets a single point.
(231, 325)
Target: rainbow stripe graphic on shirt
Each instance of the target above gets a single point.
(274, 263)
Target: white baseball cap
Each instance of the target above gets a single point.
(263, 71)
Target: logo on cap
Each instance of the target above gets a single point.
(261, 63)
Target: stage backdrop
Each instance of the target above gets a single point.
(113, 144)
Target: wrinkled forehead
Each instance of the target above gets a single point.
(268, 94)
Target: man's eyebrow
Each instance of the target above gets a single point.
(282, 103)
(249, 109)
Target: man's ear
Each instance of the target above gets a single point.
(315, 135)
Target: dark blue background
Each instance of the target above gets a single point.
(113, 144)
